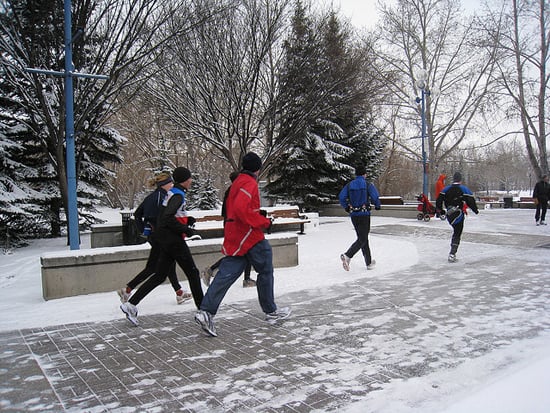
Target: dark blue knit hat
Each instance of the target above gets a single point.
(457, 177)
(252, 162)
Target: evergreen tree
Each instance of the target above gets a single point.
(302, 103)
(368, 142)
(26, 189)
(202, 195)
(332, 139)
(21, 207)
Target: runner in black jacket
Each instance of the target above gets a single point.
(454, 196)
(172, 227)
(541, 194)
(146, 216)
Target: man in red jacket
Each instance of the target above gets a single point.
(243, 242)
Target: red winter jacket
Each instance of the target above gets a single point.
(439, 185)
(244, 224)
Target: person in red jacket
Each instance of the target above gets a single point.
(243, 242)
(439, 185)
(208, 272)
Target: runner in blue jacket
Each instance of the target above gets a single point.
(357, 198)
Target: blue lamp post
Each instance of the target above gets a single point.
(422, 84)
(72, 208)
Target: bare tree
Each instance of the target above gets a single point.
(219, 83)
(152, 145)
(432, 35)
(521, 31)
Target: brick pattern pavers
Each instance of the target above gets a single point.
(337, 347)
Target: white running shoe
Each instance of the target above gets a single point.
(206, 321)
(131, 312)
(345, 261)
(278, 315)
(543, 222)
(372, 265)
(185, 296)
(124, 296)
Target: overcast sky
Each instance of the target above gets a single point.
(363, 12)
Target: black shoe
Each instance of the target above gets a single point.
(249, 283)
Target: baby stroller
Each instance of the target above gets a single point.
(426, 208)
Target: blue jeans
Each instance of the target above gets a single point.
(231, 268)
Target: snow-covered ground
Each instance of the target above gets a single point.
(520, 386)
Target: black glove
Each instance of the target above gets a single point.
(348, 209)
(189, 231)
(191, 221)
(263, 212)
(476, 211)
(377, 208)
(270, 225)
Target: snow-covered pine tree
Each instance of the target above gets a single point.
(21, 207)
(368, 143)
(26, 175)
(327, 146)
(202, 195)
(294, 176)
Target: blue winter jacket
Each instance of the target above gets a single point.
(358, 196)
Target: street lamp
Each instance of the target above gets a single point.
(422, 84)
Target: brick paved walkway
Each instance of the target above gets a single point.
(338, 347)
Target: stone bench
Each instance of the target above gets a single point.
(98, 270)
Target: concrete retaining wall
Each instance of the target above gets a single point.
(97, 270)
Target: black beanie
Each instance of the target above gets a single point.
(360, 170)
(252, 162)
(457, 177)
(181, 174)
